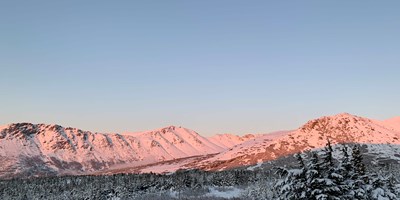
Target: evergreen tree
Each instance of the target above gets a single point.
(381, 188)
(300, 179)
(315, 181)
(346, 169)
(359, 181)
(346, 166)
(284, 184)
(333, 186)
(325, 178)
(293, 183)
(357, 161)
(327, 158)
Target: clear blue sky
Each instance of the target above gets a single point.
(212, 66)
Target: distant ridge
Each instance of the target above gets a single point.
(39, 149)
(28, 150)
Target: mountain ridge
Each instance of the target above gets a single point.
(59, 150)
(45, 150)
(340, 128)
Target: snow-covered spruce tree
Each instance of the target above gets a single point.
(359, 180)
(393, 185)
(293, 182)
(357, 161)
(323, 177)
(300, 179)
(381, 188)
(300, 185)
(332, 181)
(362, 184)
(345, 168)
(315, 179)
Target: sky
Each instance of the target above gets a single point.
(223, 66)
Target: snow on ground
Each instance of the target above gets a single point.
(3, 127)
(259, 163)
(167, 167)
(393, 123)
(230, 140)
(227, 192)
(255, 145)
(388, 151)
(158, 150)
(219, 192)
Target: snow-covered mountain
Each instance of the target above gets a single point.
(230, 140)
(38, 149)
(379, 138)
(393, 123)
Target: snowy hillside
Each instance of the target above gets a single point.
(341, 128)
(393, 123)
(380, 140)
(38, 149)
(230, 140)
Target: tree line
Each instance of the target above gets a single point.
(322, 177)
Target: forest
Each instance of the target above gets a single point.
(322, 174)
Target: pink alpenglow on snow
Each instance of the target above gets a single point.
(61, 150)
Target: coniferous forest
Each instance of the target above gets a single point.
(325, 174)
(323, 177)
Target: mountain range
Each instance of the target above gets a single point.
(28, 150)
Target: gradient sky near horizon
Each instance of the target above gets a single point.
(212, 66)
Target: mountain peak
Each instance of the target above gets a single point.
(343, 120)
(249, 135)
(343, 114)
(64, 149)
(19, 124)
(170, 128)
(165, 130)
(20, 129)
(26, 125)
